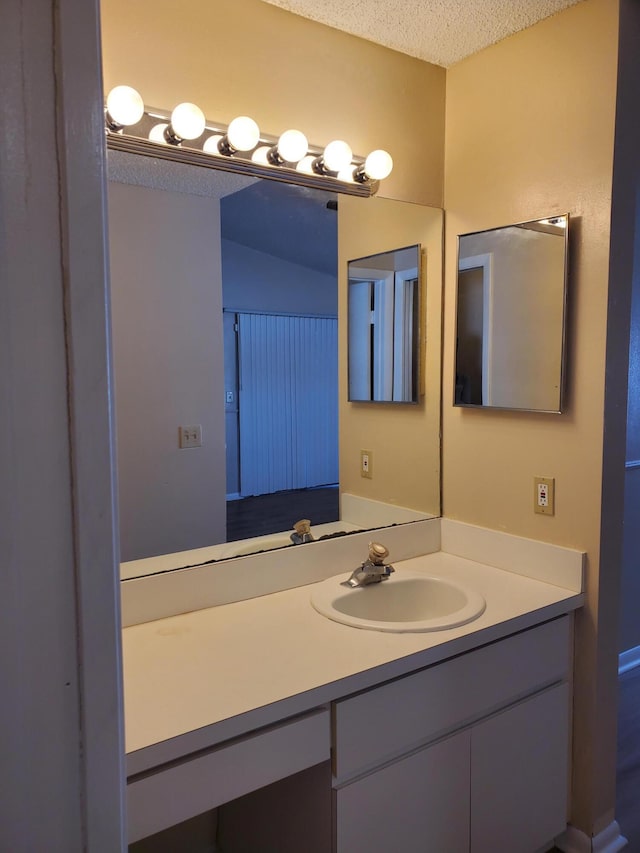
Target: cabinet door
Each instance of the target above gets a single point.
(418, 804)
(519, 775)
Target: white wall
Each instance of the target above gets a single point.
(256, 281)
(168, 358)
(61, 710)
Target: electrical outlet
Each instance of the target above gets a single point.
(366, 464)
(544, 495)
(190, 436)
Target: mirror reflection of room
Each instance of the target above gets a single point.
(216, 276)
(511, 316)
(384, 327)
(223, 290)
(280, 306)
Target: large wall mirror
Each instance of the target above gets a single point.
(227, 315)
(384, 326)
(511, 307)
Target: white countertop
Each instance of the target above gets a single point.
(199, 678)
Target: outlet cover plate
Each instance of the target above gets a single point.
(544, 498)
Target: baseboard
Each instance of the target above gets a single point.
(608, 841)
(628, 660)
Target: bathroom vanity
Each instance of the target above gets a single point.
(460, 736)
(305, 733)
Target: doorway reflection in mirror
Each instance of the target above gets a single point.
(384, 327)
(511, 316)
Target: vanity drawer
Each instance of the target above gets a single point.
(159, 799)
(384, 722)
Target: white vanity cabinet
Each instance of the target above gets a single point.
(183, 789)
(467, 755)
(415, 804)
(519, 774)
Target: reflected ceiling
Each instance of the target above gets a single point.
(278, 219)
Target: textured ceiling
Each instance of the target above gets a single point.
(438, 31)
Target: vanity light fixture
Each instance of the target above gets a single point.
(261, 155)
(211, 145)
(291, 148)
(124, 107)
(335, 158)
(376, 167)
(243, 134)
(158, 133)
(186, 135)
(306, 165)
(187, 123)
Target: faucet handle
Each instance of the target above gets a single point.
(377, 553)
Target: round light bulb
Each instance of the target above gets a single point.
(125, 106)
(243, 133)
(292, 146)
(261, 155)
(337, 155)
(156, 134)
(306, 165)
(211, 144)
(346, 175)
(378, 165)
(187, 121)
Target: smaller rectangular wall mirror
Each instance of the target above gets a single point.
(384, 327)
(511, 306)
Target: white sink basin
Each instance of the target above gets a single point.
(403, 603)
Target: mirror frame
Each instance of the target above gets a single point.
(563, 344)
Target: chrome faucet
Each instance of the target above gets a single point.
(372, 570)
(301, 532)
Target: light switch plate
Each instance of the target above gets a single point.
(190, 436)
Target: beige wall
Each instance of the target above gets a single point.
(404, 439)
(530, 127)
(246, 57)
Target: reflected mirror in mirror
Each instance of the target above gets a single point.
(511, 301)
(384, 327)
(225, 334)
